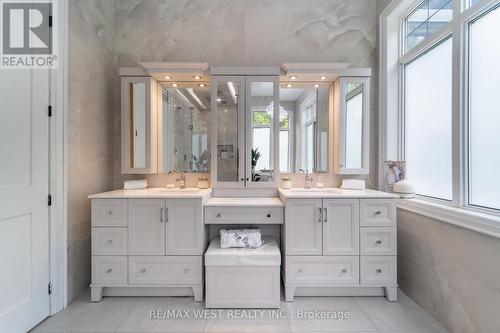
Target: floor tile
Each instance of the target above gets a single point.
(404, 316)
(165, 314)
(328, 314)
(85, 316)
(250, 320)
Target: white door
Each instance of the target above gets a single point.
(24, 213)
(341, 227)
(146, 227)
(184, 227)
(303, 227)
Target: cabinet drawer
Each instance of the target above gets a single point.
(378, 270)
(316, 270)
(165, 270)
(244, 215)
(109, 271)
(109, 241)
(109, 212)
(378, 240)
(377, 212)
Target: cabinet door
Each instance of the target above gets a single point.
(262, 131)
(146, 226)
(139, 111)
(341, 227)
(184, 227)
(303, 226)
(228, 131)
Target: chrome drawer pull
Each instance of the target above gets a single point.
(378, 212)
(109, 270)
(268, 214)
(300, 270)
(378, 241)
(325, 215)
(218, 215)
(161, 215)
(110, 241)
(109, 212)
(186, 270)
(379, 270)
(143, 270)
(320, 214)
(344, 270)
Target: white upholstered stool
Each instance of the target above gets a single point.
(243, 278)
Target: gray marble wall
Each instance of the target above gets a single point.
(453, 273)
(247, 32)
(90, 105)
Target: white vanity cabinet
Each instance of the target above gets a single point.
(146, 243)
(339, 245)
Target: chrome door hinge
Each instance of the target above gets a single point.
(49, 200)
(49, 110)
(49, 288)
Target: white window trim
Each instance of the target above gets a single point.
(391, 143)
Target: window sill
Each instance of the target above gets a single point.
(476, 221)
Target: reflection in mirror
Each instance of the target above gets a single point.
(262, 106)
(186, 114)
(228, 93)
(137, 93)
(304, 128)
(354, 125)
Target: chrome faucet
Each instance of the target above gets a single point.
(308, 179)
(182, 179)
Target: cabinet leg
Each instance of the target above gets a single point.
(289, 293)
(96, 294)
(391, 293)
(198, 293)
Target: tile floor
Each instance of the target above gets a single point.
(132, 315)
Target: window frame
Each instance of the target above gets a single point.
(458, 29)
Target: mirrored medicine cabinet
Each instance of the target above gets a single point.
(254, 127)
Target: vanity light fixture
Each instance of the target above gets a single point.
(167, 77)
(293, 77)
(202, 85)
(289, 85)
(174, 85)
(197, 77)
(322, 77)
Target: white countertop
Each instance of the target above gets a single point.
(158, 193)
(331, 192)
(225, 202)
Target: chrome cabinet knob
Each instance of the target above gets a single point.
(143, 270)
(109, 212)
(110, 241)
(378, 270)
(378, 241)
(344, 270)
(268, 214)
(186, 270)
(300, 270)
(218, 215)
(378, 212)
(109, 270)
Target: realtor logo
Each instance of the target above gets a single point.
(28, 34)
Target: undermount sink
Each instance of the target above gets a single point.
(315, 189)
(176, 190)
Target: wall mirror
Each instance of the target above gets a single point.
(304, 118)
(184, 127)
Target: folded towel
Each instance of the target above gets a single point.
(250, 238)
(135, 184)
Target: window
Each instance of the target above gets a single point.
(484, 111)
(427, 18)
(427, 115)
(354, 128)
(261, 136)
(284, 141)
(309, 137)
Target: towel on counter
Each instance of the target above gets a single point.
(135, 184)
(241, 238)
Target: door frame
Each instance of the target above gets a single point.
(58, 132)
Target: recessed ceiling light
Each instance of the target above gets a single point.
(167, 77)
(219, 99)
(174, 85)
(289, 85)
(197, 77)
(202, 85)
(225, 110)
(316, 85)
(293, 77)
(322, 77)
